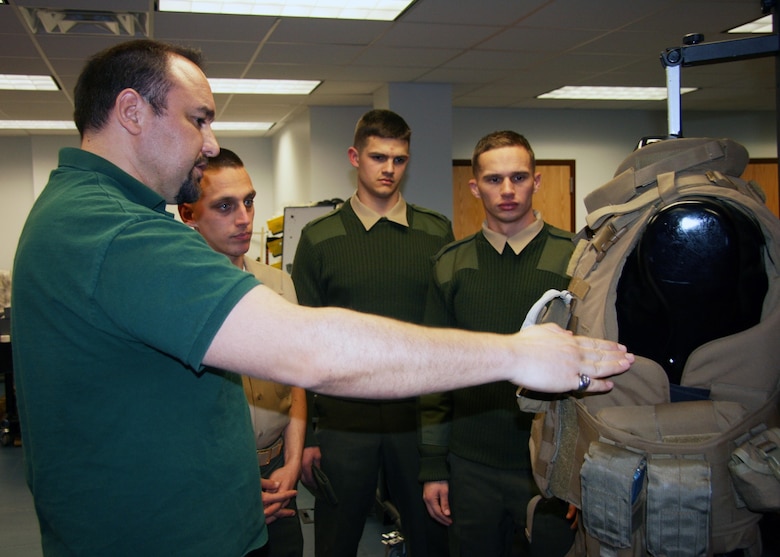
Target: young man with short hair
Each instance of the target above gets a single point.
(474, 441)
(373, 255)
(224, 215)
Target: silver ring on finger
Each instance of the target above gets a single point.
(584, 382)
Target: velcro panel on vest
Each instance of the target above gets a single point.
(553, 446)
(678, 507)
(608, 491)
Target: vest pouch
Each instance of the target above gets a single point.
(678, 507)
(613, 500)
(691, 456)
(755, 469)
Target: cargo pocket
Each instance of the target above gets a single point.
(755, 469)
(613, 493)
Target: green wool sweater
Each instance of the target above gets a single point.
(476, 288)
(385, 270)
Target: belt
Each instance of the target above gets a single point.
(265, 456)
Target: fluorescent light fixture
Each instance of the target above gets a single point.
(761, 25)
(28, 82)
(597, 93)
(262, 86)
(241, 126)
(37, 125)
(380, 10)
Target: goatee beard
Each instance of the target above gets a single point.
(189, 192)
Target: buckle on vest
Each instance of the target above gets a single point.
(605, 238)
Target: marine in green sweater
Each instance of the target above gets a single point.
(475, 463)
(374, 255)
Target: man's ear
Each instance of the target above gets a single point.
(130, 109)
(185, 212)
(354, 156)
(474, 189)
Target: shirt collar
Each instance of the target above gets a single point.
(131, 188)
(368, 217)
(518, 241)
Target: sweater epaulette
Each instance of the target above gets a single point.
(559, 232)
(453, 246)
(324, 227)
(327, 215)
(433, 222)
(428, 212)
(460, 254)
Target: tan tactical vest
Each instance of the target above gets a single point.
(650, 476)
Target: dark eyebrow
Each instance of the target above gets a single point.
(208, 113)
(382, 154)
(224, 199)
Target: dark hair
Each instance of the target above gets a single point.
(139, 64)
(225, 159)
(496, 140)
(381, 123)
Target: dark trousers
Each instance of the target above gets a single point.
(488, 509)
(357, 439)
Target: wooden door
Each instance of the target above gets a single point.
(555, 198)
(764, 172)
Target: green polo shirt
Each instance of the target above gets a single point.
(131, 447)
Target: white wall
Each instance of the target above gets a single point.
(291, 149)
(306, 161)
(16, 195)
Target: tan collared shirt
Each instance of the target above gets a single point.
(368, 217)
(516, 242)
(269, 402)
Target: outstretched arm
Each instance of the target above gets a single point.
(337, 351)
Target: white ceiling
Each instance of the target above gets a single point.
(495, 53)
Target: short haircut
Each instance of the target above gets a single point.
(496, 140)
(225, 159)
(141, 64)
(381, 123)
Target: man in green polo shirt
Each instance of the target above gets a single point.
(131, 447)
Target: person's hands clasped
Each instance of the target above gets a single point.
(275, 500)
(557, 361)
